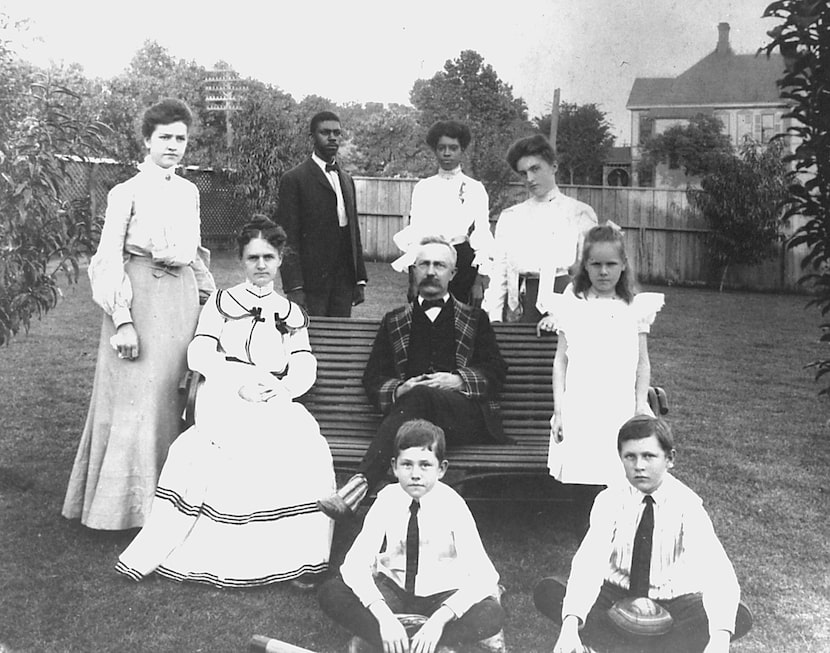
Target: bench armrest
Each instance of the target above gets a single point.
(189, 386)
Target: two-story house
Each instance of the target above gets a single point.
(739, 89)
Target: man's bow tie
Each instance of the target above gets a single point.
(332, 167)
(432, 303)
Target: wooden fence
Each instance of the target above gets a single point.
(665, 237)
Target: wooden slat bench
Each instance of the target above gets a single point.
(348, 421)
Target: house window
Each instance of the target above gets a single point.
(723, 116)
(744, 126)
(764, 127)
(646, 127)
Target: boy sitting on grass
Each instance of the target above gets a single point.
(650, 537)
(419, 552)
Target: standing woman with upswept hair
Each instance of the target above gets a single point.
(148, 276)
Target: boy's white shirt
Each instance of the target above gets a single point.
(687, 556)
(452, 556)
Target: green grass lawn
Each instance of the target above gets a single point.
(753, 437)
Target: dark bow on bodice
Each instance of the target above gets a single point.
(279, 322)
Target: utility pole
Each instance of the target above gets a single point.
(554, 119)
(223, 92)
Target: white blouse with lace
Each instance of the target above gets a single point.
(448, 204)
(154, 214)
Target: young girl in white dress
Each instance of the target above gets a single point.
(236, 500)
(601, 371)
(148, 276)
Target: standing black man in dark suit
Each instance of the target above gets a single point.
(323, 268)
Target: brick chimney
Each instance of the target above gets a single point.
(723, 39)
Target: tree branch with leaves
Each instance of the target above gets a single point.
(740, 196)
(41, 235)
(695, 147)
(583, 140)
(803, 38)
(470, 90)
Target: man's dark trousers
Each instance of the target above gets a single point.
(460, 417)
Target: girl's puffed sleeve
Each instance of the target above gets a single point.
(302, 365)
(111, 288)
(559, 306)
(646, 305)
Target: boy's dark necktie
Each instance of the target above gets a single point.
(412, 542)
(641, 555)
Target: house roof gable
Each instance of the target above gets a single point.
(719, 79)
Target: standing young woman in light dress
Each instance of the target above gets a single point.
(601, 371)
(452, 205)
(147, 275)
(236, 501)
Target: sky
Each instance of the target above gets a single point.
(373, 51)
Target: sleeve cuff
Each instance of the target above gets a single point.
(715, 626)
(457, 605)
(455, 614)
(121, 315)
(369, 594)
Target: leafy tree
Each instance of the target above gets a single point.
(803, 38)
(40, 234)
(469, 90)
(271, 136)
(695, 147)
(389, 141)
(583, 140)
(151, 75)
(266, 144)
(740, 197)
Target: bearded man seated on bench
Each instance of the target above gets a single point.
(435, 359)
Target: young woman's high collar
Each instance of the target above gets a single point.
(449, 174)
(259, 291)
(149, 167)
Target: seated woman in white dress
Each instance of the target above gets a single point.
(236, 500)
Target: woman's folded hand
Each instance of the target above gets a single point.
(259, 392)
